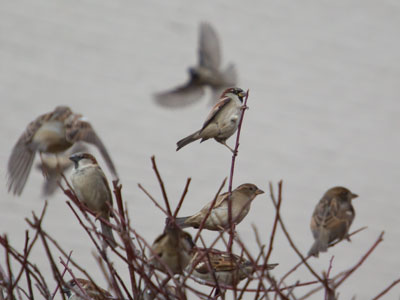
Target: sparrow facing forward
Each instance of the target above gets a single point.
(55, 165)
(73, 291)
(173, 248)
(92, 189)
(228, 268)
(331, 219)
(218, 218)
(53, 132)
(223, 120)
(206, 73)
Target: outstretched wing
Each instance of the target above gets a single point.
(77, 129)
(209, 49)
(181, 96)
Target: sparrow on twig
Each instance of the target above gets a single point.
(218, 218)
(331, 219)
(90, 291)
(223, 120)
(206, 73)
(228, 268)
(54, 166)
(53, 132)
(173, 249)
(92, 189)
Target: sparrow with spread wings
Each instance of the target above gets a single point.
(206, 73)
(331, 219)
(53, 132)
(223, 120)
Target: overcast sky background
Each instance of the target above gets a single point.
(324, 111)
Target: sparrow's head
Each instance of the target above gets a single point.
(249, 189)
(234, 91)
(83, 158)
(60, 111)
(340, 193)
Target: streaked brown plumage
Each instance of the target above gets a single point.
(218, 218)
(173, 248)
(228, 268)
(331, 219)
(53, 132)
(73, 291)
(223, 120)
(91, 187)
(206, 73)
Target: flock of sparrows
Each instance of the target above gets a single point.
(63, 133)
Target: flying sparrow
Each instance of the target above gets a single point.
(223, 120)
(53, 166)
(331, 219)
(92, 189)
(218, 218)
(53, 132)
(228, 268)
(172, 249)
(73, 291)
(206, 73)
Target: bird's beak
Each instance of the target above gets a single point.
(66, 291)
(354, 196)
(242, 94)
(74, 158)
(258, 192)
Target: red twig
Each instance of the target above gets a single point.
(235, 153)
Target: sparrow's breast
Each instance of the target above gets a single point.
(50, 137)
(90, 188)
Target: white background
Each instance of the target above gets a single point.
(324, 111)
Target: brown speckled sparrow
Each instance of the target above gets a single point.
(73, 291)
(173, 248)
(218, 219)
(331, 219)
(168, 292)
(206, 73)
(92, 189)
(53, 166)
(223, 120)
(53, 132)
(228, 268)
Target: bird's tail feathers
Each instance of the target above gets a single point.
(108, 234)
(318, 246)
(187, 140)
(181, 222)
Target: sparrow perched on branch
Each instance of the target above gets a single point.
(206, 73)
(331, 219)
(53, 132)
(218, 218)
(73, 291)
(172, 249)
(223, 120)
(228, 268)
(53, 166)
(92, 189)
